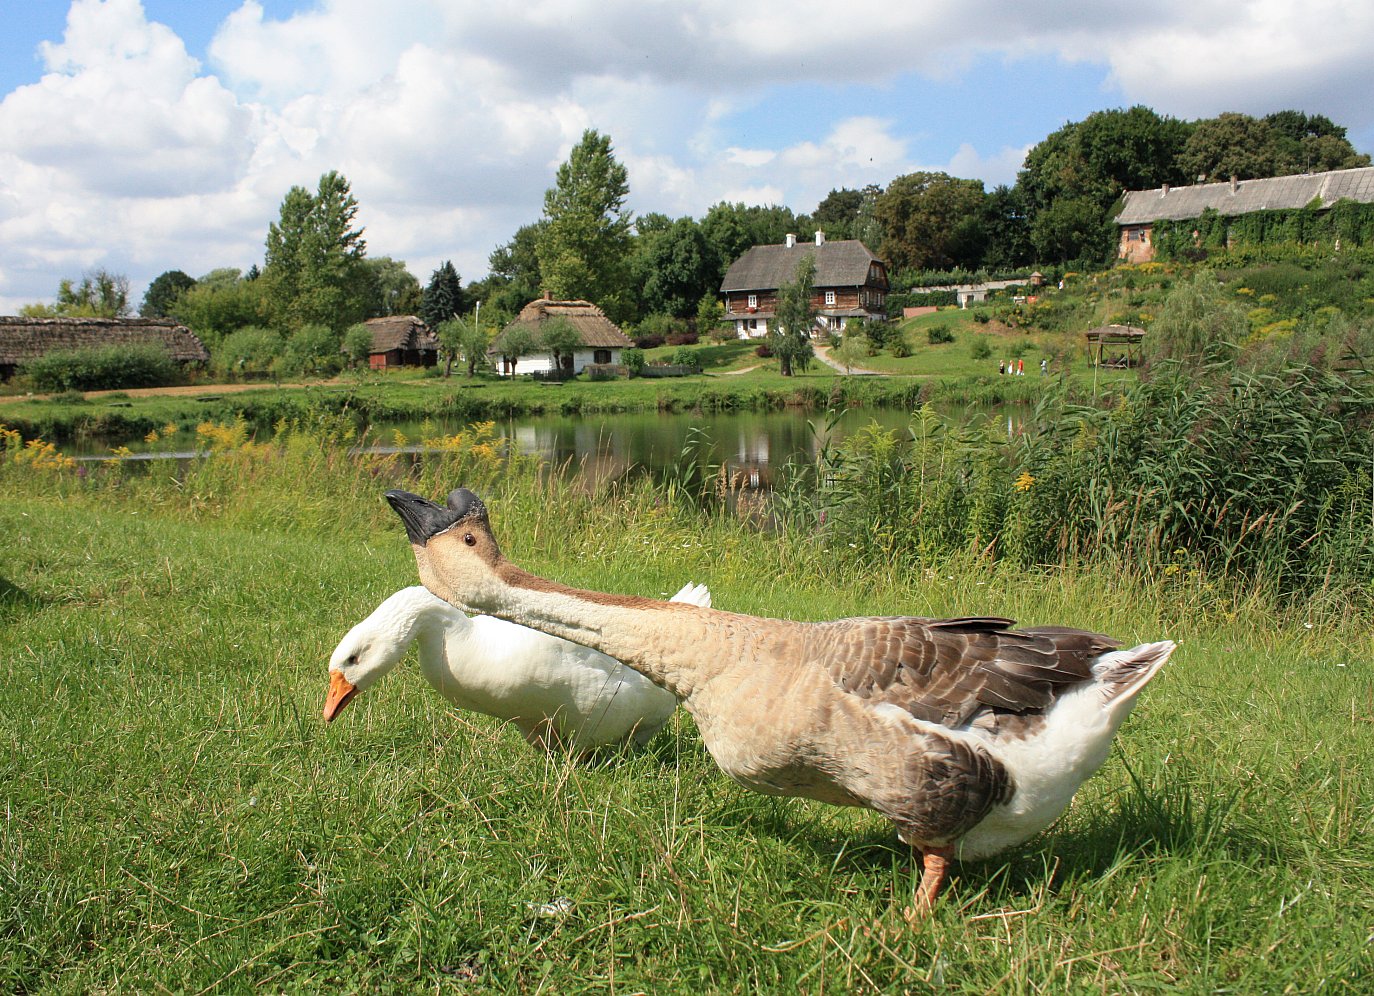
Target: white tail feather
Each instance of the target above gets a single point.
(694, 594)
(1121, 674)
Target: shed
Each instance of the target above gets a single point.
(23, 340)
(401, 341)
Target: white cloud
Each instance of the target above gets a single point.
(450, 117)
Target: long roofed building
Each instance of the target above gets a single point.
(23, 340)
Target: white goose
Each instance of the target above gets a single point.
(969, 735)
(557, 693)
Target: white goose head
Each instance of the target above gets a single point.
(378, 643)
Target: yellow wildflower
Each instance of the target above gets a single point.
(1025, 482)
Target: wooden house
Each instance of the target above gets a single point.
(23, 340)
(1140, 209)
(850, 282)
(602, 340)
(401, 341)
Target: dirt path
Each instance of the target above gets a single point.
(823, 354)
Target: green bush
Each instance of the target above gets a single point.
(898, 346)
(247, 352)
(102, 369)
(938, 334)
(633, 358)
(979, 347)
(685, 356)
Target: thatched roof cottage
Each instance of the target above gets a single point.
(25, 339)
(401, 341)
(602, 340)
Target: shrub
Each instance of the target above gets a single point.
(248, 351)
(633, 359)
(764, 350)
(139, 365)
(898, 346)
(979, 348)
(938, 334)
(649, 340)
(686, 356)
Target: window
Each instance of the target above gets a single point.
(830, 299)
(601, 356)
(753, 300)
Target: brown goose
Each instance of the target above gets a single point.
(969, 735)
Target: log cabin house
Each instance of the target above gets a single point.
(851, 282)
(23, 340)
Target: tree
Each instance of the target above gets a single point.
(673, 266)
(100, 294)
(932, 221)
(315, 270)
(1313, 143)
(163, 292)
(837, 214)
(221, 302)
(1098, 158)
(790, 334)
(397, 292)
(515, 342)
(312, 349)
(515, 277)
(1072, 228)
(584, 245)
(710, 318)
(1199, 323)
(1007, 230)
(463, 337)
(249, 350)
(1229, 145)
(357, 343)
(443, 298)
(558, 336)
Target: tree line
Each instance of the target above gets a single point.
(301, 310)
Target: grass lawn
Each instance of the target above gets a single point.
(177, 817)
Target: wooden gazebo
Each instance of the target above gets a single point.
(1115, 345)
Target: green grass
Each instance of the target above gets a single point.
(177, 818)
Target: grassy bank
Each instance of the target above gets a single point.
(176, 816)
(369, 401)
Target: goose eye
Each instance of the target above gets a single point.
(352, 658)
(469, 539)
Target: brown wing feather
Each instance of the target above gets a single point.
(946, 670)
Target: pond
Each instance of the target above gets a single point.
(750, 446)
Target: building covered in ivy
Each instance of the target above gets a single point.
(1332, 209)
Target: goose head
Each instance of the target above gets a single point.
(376, 645)
(458, 557)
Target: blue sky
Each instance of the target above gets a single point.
(149, 136)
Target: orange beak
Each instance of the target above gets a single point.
(340, 694)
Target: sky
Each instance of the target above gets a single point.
(141, 137)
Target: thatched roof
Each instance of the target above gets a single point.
(24, 339)
(401, 332)
(597, 331)
(1276, 193)
(844, 263)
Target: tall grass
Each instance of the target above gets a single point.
(1251, 477)
(176, 818)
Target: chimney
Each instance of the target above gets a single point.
(791, 240)
(820, 237)
(1164, 190)
(548, 295)
(1233, 183)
